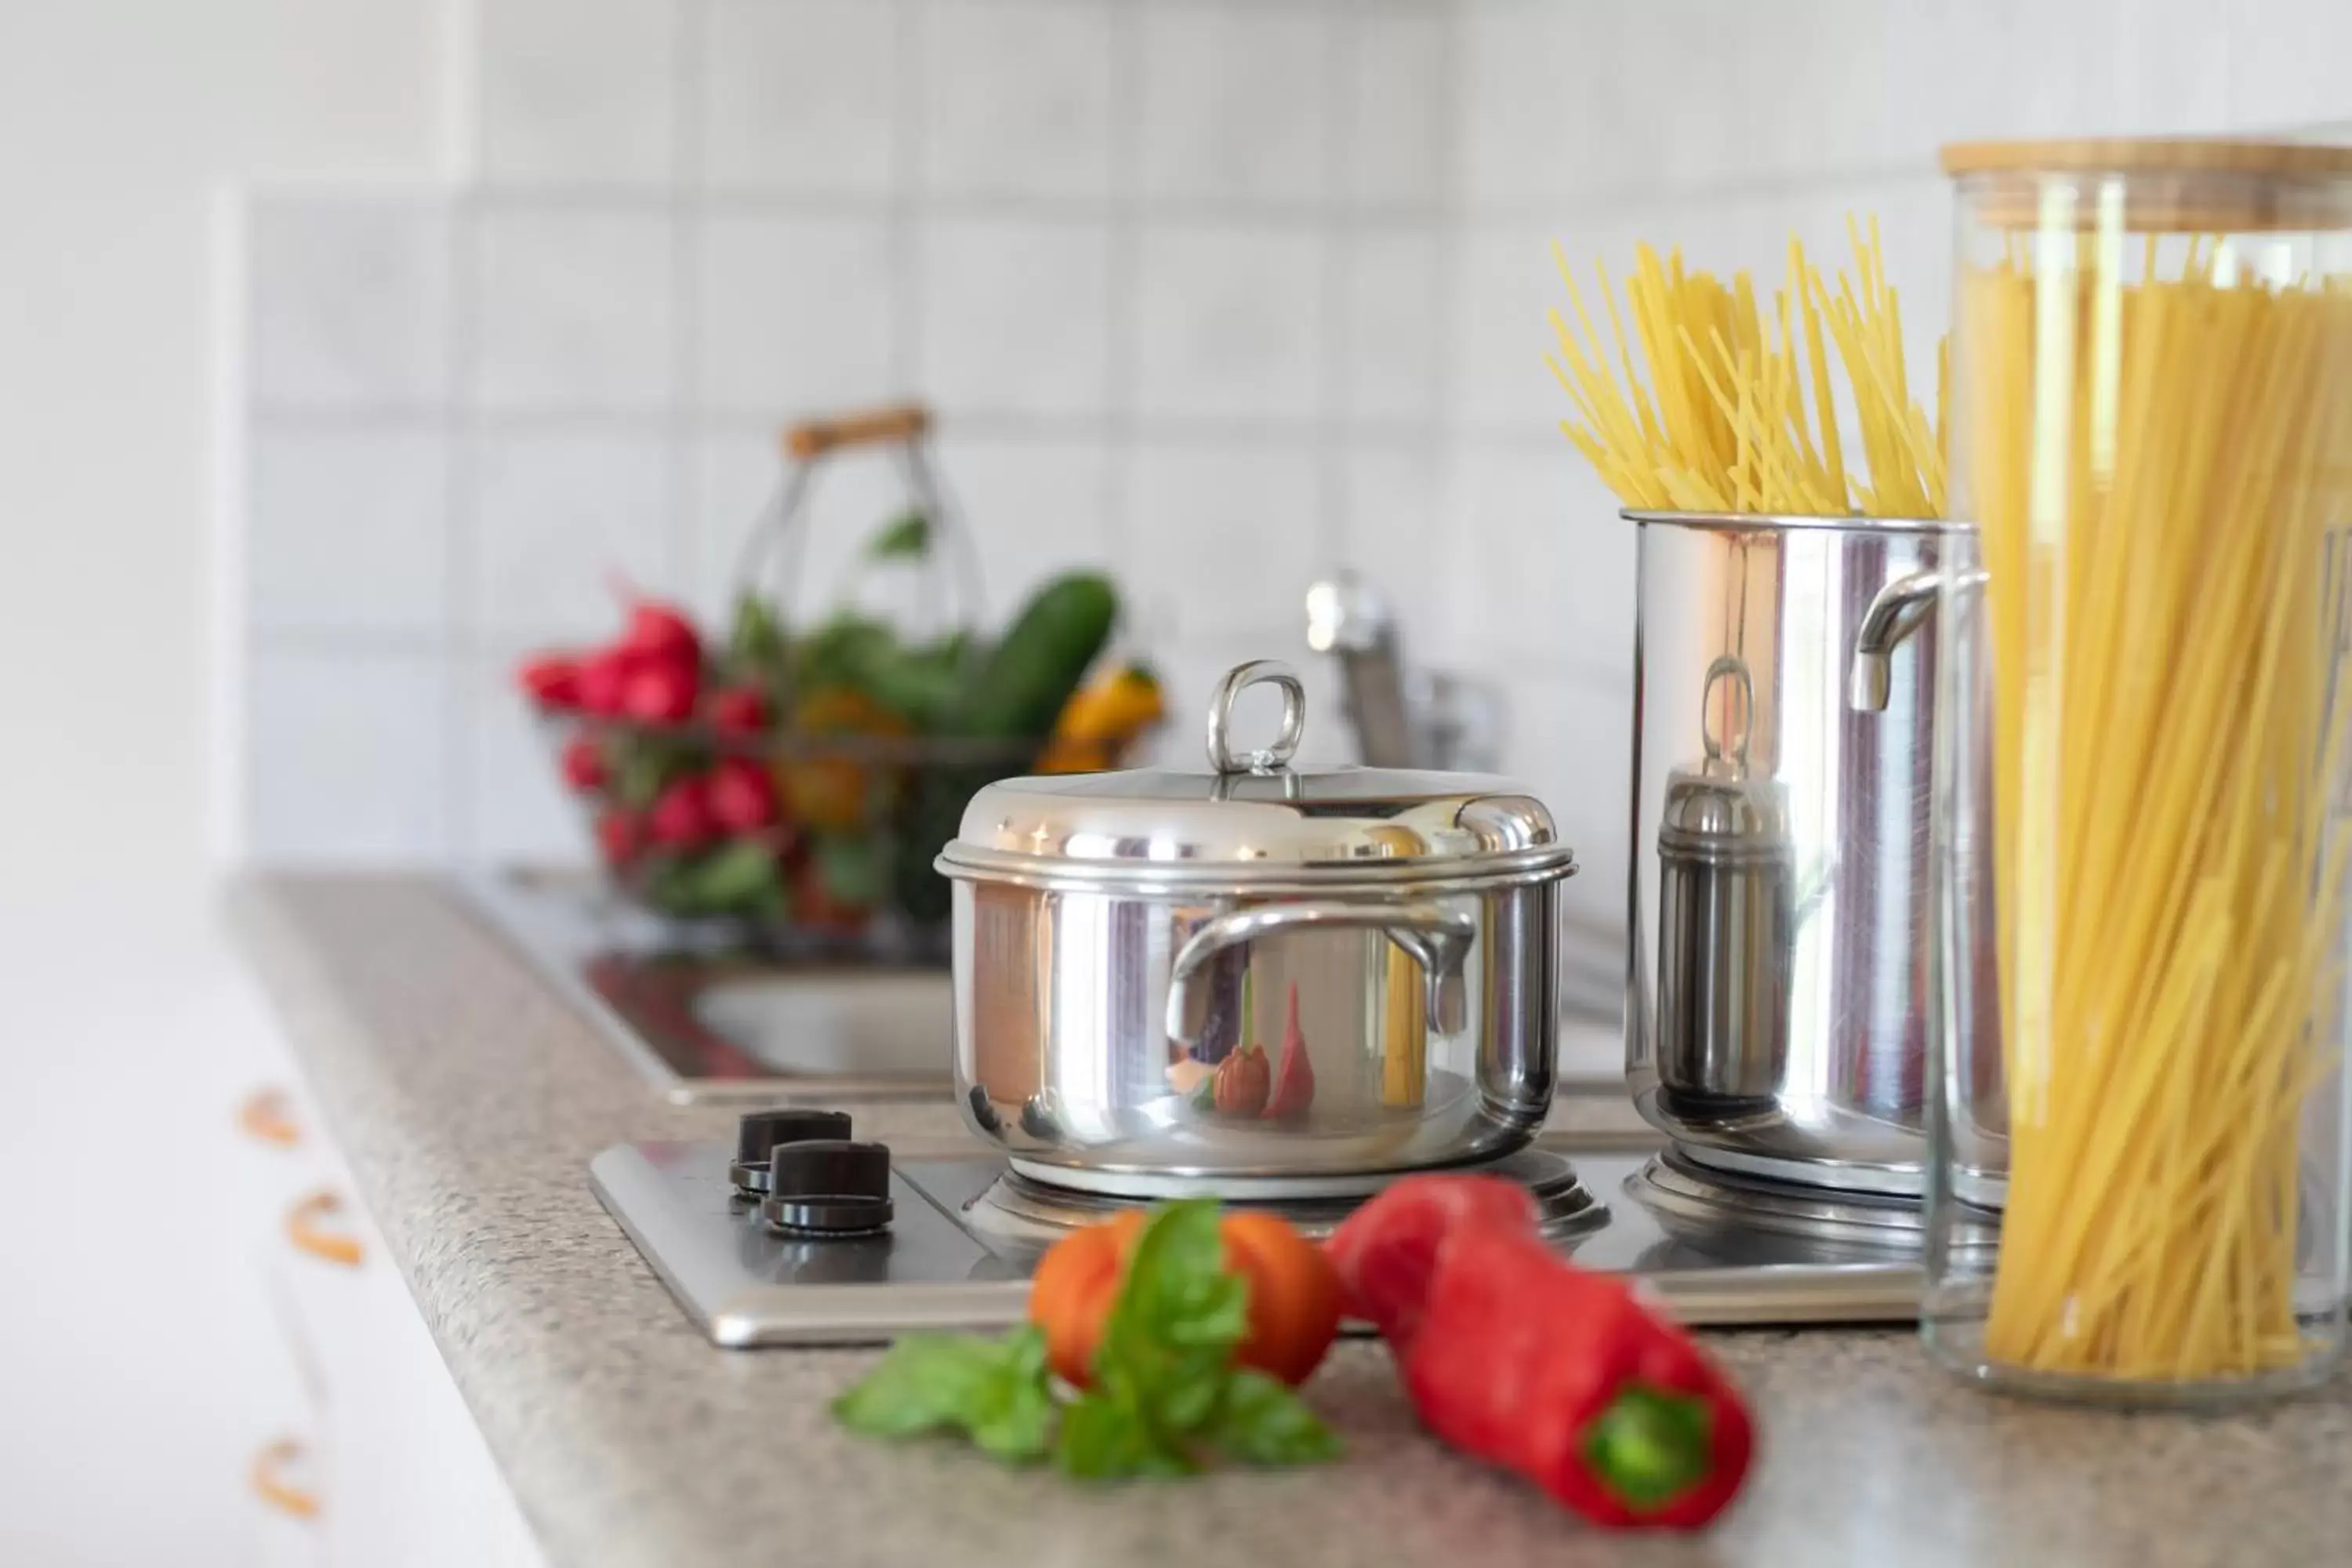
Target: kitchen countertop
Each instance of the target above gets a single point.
(468, 1099)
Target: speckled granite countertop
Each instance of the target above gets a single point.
(469, 1100)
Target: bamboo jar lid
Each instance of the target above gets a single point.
(2163, 183)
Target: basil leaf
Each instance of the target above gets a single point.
(1177, 1294)
(993, 1390)
(1012, 1415)
(1106, 1439)
(1261, 1422)
(1178, 1316)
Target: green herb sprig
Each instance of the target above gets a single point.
(1165, 1398)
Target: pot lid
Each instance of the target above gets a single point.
(1254, 814)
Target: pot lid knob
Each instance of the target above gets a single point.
(1274, 758)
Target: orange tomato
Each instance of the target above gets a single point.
(1071, 1293)
(1293, 1294)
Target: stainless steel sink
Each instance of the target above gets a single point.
(707, 1022)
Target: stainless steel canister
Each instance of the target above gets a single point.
(1780, 930)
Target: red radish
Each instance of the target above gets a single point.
(583, 764)
(739, 711)
(552, 680)
(682, 815)
(660, 691)
(742, 796)
(1294, 1076)
(658, 630)
(602, 677)
(620, 835)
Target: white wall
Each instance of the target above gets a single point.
(123, 1434)
(118, 118)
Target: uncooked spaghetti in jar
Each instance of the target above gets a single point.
(2144, 846)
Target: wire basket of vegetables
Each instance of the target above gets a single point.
(797, 783)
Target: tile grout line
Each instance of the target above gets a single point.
(1117, 421)
(689, 236)
(462, 433)
(1343, 41)
(1445, 480)
(905, 209)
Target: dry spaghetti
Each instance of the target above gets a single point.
(2153, 463)
(1740, 411)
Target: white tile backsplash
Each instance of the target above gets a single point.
(1396, 139)
(577, 91)
(2286, 63)
(1571, 738)
(575, 309)
(822, 561)
(559, 516)
(346, 754)
(1015, 316)
(1389, 332)
(800, 95)
(1230, 321)
(1555, 587)
(1223, 293)
(1235, 103)
(1548, 107)
(1222, 539)
(1017, 97)
(1394, 534)
(798, 313)
(517, 808)
(349, 303)
(1033, 508)
(349, 530)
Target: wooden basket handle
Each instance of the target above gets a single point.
(814, 438)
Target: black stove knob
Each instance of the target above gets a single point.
(828, 1189)
(759, 1135)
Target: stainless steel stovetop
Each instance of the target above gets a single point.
(966, 1233)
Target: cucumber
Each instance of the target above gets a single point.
(1017, 689)
(1013, 691)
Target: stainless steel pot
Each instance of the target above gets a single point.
(1254, 982)
(1778, 989)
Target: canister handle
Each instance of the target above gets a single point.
(1437, 938)
(1897, 612)
(1274, 758)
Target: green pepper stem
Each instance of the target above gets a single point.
(1650, 1444)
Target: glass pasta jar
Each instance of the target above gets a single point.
(2142, 836)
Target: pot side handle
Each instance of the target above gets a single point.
(1897, 612)
(1436, 939)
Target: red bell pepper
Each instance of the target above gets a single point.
(1514, 1354)
(1387, 1250)
(1561, 1375)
